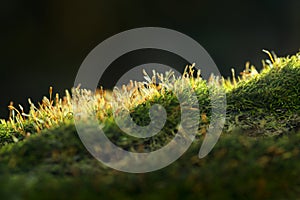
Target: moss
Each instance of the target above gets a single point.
(42, 154)
(268, 104)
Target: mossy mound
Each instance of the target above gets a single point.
(268, 104)
(42, 154)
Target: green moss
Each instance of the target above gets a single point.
(53, 161)
(268, 104)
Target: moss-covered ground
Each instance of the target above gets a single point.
(257, 155)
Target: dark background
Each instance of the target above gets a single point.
(44, 42)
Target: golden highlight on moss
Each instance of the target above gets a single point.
(54, 111)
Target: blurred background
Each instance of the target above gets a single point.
(43, 43)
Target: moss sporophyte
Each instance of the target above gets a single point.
(265, 103)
